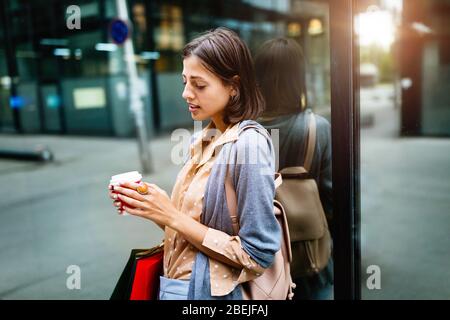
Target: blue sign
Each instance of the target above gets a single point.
(16, 102)
(119, 31)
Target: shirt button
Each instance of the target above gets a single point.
(225, 276)
(216, 241)
(216, 266)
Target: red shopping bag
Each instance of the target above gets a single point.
(146, 277)
(140, 277)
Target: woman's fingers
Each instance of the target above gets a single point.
(131, 202)
(113, 195)
(130, 185)
(131, 193)
(134, 212)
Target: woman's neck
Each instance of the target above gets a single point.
(219, 124)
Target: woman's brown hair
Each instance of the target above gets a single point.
(223, 53)
(280, 73)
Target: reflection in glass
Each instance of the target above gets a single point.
(281, 70)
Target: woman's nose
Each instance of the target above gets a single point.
(187, 93)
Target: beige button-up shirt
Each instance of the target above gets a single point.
(187, 196)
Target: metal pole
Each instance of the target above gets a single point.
(136, 104)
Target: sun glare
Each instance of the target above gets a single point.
(375, 27)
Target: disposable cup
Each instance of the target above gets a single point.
(132, 176)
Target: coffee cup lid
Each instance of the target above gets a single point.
(132, 176)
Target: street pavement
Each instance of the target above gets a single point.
(405, 206)
(55, 215)
(58, 214)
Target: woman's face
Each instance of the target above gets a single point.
(204, 92)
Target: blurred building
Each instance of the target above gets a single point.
(368, 75)
(73, 81)
(424, 59)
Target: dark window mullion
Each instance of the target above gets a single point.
(345, 141)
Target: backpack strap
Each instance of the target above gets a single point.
(263, 131)
(311, 143)
(231, 203)
(232, 199)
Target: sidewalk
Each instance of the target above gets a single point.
(405, 217)
(59, 214)
(405, 210)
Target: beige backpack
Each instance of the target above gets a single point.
(276, 281)
(308, 227)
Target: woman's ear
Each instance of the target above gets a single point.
(235, 85)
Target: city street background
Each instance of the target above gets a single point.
(405, 206)
(58, 214)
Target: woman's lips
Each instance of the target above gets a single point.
(193, 107)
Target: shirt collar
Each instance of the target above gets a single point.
(230, 134)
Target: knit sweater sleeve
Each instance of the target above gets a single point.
(259, 236)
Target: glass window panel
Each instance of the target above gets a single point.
(405, 171)
(75, 82)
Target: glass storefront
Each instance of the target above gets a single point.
(75, 82)
(6, 112)
(53, 61)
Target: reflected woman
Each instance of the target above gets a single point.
(280, 73)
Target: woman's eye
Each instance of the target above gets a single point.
(196, 86)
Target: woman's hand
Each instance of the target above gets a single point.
(155, 205)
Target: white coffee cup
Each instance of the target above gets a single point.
(132, 176)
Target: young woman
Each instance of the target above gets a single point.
(280, 73)
(202, 257)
